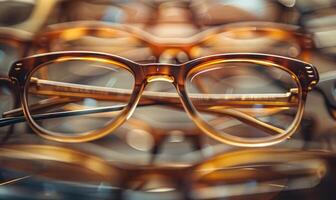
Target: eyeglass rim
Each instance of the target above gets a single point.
(51, 32)
(22, 70)
(116, 173)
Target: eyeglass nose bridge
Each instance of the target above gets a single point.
(160, 72)
(166, 78)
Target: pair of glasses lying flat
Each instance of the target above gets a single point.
(82, 96)
(273, 171)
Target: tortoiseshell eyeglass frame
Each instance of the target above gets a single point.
(190, 45)
(234, 167)
(304, 74)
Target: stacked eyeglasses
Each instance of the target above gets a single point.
(219, 74)
(238, 98)
(30, 168)
(243, 99)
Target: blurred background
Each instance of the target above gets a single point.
(159, 153)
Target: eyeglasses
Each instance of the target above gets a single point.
(35, 166)
(137, 44)
(82, 96)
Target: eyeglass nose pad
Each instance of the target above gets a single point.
(165, 78)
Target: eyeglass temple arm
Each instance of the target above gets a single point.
(236, 114)
(16, 115)
(71, 92)
(229, 112)
(55, 88)
(78, 91)
(49, 103)
(13, 120)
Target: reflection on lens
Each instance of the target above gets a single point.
(244, 100)
(87, 89)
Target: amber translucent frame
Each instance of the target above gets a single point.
(304, 74)
(74, 30)
(234, 167)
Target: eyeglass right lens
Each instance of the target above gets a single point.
(84, 94)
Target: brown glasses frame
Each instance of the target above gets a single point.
(234, 167)
(304, 74)
(158, 45)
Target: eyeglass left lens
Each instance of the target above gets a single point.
(245, 101)
(83, 94)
